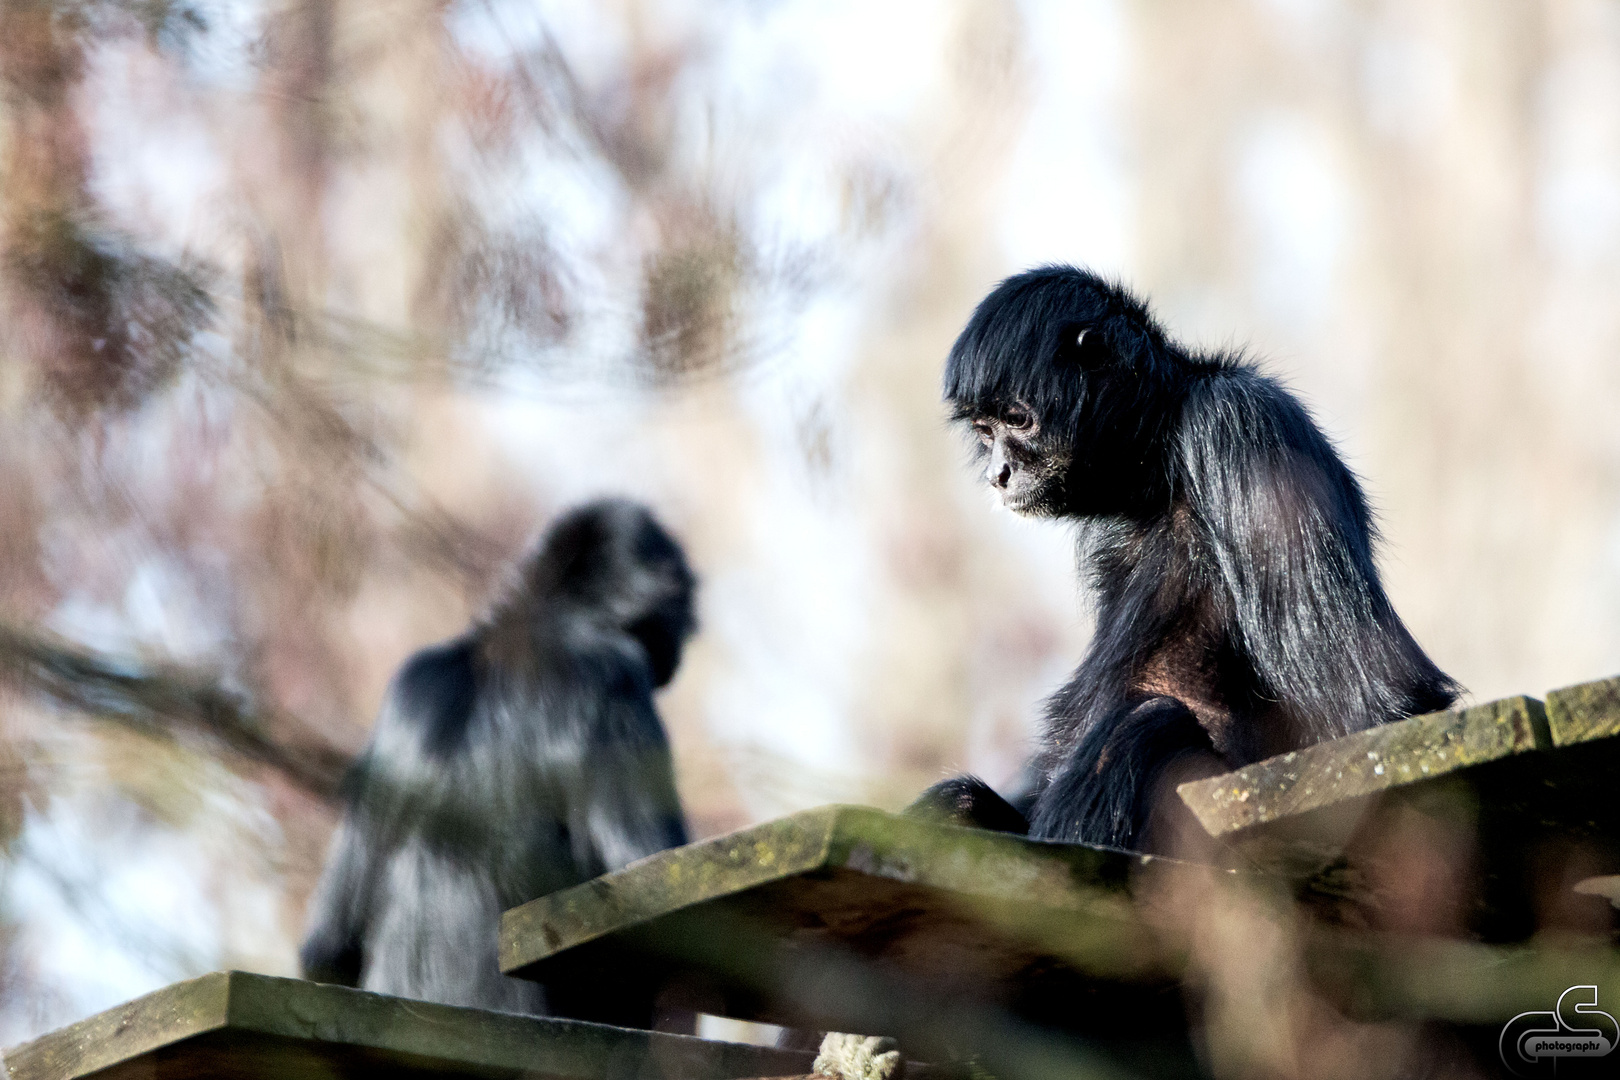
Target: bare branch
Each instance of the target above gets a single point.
(163, 700)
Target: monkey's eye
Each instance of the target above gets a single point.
(1080, 338)
(985, 432)
(1019, 418)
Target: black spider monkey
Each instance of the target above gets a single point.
(521, 758)
(1239, 611)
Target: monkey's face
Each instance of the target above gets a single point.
(1026, 468)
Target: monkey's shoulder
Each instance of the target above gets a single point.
(1245, 437)
(1233, 404)
(434, 693)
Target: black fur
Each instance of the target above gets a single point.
(1133, 754)
(967, 800)
(1230, 549)
(522, 758)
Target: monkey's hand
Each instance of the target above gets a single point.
(970, 802)
(859, 1057)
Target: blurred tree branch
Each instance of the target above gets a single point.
(166, 701)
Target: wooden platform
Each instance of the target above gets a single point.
(233, 1024)
(852, 919)
(1033, 958)
(1017, 951)
(944, 905)
(1529, 789)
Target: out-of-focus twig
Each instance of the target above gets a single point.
(162, 700)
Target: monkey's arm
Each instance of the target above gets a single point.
(378, 789)
(626, 806)
(1112, 786)
(333, 950)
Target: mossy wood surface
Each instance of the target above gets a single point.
(233, 1024)
(1584, 713)
(768, 923)
(1532, 786)
(952, 939)
(1410, 751)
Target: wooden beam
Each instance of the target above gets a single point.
(1523, 792)
(232, 1023)
(1410, 751)
(851, 919)
(1578, 714)
(944, 866)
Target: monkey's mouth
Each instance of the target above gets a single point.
(1032, 500)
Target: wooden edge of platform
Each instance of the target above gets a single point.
(337, 1016)
(1577, 714)
(1409, 751)
(697, 872)
(125, 1031)
(971, 862)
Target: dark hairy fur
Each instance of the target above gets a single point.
(521, 758)
(1239, 609)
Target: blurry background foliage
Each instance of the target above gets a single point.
(312, 313)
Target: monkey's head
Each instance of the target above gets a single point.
(1067, 383)
(612, 562)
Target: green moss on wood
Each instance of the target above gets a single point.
(970, 864)
(258, 1026)
(1578, 714)
(1411, 751)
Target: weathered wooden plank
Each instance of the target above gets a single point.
(127, 1032)
(959, 941)
(954, 867)
(250, 1026)
(851, 919)
(1578, 714)
(657, 885)
(1369, 762)
(1412, 751)
(1522, 792)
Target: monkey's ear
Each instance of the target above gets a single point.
(1083, 346)
(1127, 340)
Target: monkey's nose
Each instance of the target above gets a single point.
(1004, 476)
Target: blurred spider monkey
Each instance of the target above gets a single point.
(521, 758)
(1239, 612)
